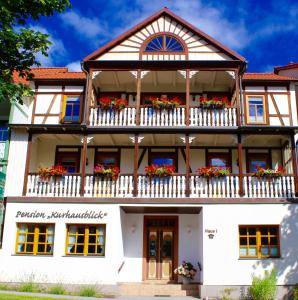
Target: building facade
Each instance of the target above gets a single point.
(163, 96)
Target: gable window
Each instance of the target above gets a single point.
(35, 239)
(71, 109)
(218, 159)
(164, 43)
(86, 240)
(69, 159)
(256, 110)
(107, 159)
(255, 160)
(259, 241)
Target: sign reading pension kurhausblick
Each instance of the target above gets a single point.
(88, 214)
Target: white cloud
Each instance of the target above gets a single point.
(56, 52)
(74, 66)
(87, 27)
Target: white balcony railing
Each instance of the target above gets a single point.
(170, 187)
(213, 117)
(125, 117)
(162, 117)
(66, 186)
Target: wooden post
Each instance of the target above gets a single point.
(294, 162)
(138, 100)
(88, 95)
(238, 110)
(83, 161)
(135, 165)
(240, 165)
(187, 166)
(187, 97)
(27, 163)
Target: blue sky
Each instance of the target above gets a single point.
(264, 32)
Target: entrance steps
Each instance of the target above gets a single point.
(159, 288)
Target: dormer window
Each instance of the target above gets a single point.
(164, 43)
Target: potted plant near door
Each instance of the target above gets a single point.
(186, 271)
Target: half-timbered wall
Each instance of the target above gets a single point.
(197, 47)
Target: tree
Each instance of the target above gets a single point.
(19, 44)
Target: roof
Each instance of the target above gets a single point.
(267, 76)
(163, 11)
(286, 67)
(50, 73)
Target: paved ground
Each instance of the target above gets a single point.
(92, 298)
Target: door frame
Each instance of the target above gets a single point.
(145, 243)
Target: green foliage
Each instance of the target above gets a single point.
(57, 289)
(29, 287)
(264, 288)
(227, 293)
(295, 293)
(88, 291)
(4, 287)
(20, 45)
(26, 297)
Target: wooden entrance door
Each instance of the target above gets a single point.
(161, 247)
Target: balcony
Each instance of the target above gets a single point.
(171, 187)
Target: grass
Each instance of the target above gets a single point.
(88, 291)
(57, 289)
(25, 297)
(29, 287)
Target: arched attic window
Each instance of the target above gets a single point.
(164, 43)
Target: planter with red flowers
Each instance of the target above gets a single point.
(111, 103)
(214, 103)
(213, 172)
(159, 173)
(107, 173)
(164, 103)
(54, 172)
(268, 173)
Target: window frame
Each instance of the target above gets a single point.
(172, 155)
(85, 243)
(226, 155)
(63, 109)
(69, 153)
(250, 156)
(247, 116)
(107, 153)
(258, 241)
(35, 239)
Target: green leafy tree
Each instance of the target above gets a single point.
(19, 44)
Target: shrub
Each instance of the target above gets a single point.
(29, 287)
(88, 291)
(295, 293)
(226, 294)
(57, 289)
(264, 288)
(4, 287)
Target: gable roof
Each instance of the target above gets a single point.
(286, 67)
(267, 77)
(163, 11)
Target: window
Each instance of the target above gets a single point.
(86, 240)
(35, 239)
(216, 159)
(70, 160)
(163, 159)
(107, 159)
(3, 133)
(72, 108)
(259, 241)
(256, 113)
(255, 160)
(164, 43)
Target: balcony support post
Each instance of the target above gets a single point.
(88, 95)
(240, 165)
(136, 165)
(187, 165)
(237, 87)
(83, 160)
(187, 102)
(138, 99)
(28, 155)
(294, 162)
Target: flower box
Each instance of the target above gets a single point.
(164, 102)
(107, 173)
(212, 172)
(214, 103)
(268, 173)
(153, 171)
(55, 172)
(110, 103)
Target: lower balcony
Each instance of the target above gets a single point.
(168, 187)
